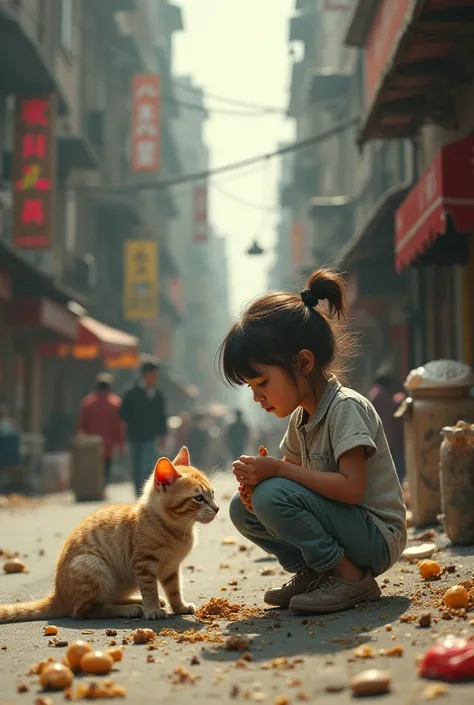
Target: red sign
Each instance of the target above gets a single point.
(446, 187)
(386, 28)
(145, 123)
(200, 213)
(5, 286)
(33, 171)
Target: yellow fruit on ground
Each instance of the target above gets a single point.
(456, 597)
(429, 569)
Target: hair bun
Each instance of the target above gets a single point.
(309, 298)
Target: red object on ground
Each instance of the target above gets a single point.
(451, 660)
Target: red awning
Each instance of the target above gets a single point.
(95, 340)
(409, 72)
(46, 317)
(445, 189)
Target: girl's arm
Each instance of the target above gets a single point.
(347, 485)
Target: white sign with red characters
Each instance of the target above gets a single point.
(146, 123)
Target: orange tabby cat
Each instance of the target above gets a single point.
(122, 548)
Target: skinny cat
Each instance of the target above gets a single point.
(122, 548)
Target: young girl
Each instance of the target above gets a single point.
(332, 509)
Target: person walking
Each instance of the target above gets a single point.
(237, 436)
(144, 412)
(386, 403)
(99, 415)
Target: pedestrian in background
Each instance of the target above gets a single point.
(100, 416)
(144, 412)
(386, 402)
(237, 436)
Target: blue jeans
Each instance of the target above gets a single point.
(301, 528)
(144, 457)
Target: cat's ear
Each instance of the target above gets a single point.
(182, 458)
(165, 473)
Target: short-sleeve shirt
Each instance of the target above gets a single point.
(342, 421)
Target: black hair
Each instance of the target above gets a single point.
(150, 364)
(276, 327)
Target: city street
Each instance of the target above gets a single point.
(314, 654)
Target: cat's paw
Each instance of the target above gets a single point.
(184, 609)
(133, 611)
(154, 613)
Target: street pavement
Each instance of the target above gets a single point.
(290, 659)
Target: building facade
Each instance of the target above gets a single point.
(418, 86)
(71, 201)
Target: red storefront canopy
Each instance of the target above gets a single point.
(410, 71)
(96, 340)
(446, 189)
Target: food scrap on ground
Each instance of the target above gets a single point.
(220, 608)
(14, 565)
(95, 691)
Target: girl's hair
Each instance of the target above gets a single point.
(276, 327)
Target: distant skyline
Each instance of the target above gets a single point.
(239, 49)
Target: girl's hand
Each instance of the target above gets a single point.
(251, 469)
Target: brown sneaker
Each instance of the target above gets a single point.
(300, 582)
(334, 594)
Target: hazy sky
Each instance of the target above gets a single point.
(239, 49)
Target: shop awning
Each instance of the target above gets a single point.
(95, 340)
(369, 241)
(410, 72)
(442, 202)
(75, 152)
(47, 318)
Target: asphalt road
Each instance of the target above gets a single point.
(313, 653)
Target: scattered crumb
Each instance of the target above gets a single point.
(92, 691)
(425, 620)
(50, 630)
(181, 676)
(221, 608)
(110, 632)
(234, 642)
(436, 690)
(229, 541)
(142, 636)
(22, 688)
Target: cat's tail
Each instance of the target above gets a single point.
(29, 611)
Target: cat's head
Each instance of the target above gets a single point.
(182, 493)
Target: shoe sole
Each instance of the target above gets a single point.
(371, 596)
(282, 605)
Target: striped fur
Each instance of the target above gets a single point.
(124, 549)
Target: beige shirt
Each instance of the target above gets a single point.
(344, 420)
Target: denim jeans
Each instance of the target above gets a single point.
(301, 528)
(143, 456)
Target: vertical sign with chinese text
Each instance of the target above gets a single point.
(141, 280)
(145, 123)
(33, 171)
(200, 213)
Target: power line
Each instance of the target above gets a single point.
(229, 101)
(203, 175)
(243, 201)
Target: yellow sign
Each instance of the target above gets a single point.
(140, 280)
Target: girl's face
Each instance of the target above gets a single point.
(274, 391)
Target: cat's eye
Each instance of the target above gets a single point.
(199, 498)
